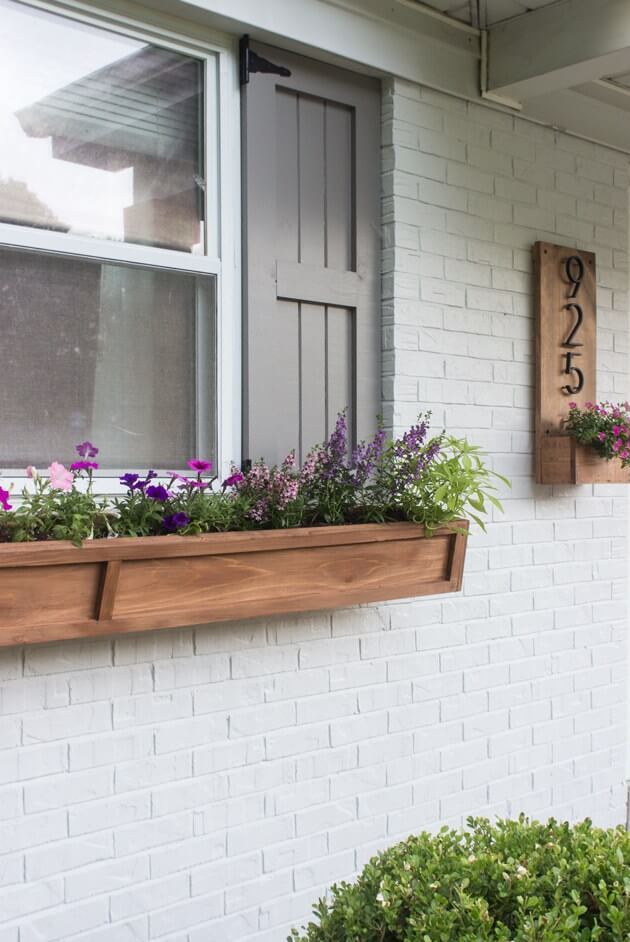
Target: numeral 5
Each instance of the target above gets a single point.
(569, 369)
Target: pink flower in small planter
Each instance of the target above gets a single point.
(60, 478)
(616, 430)
(4, 499)
(31, 472)
(602, 436)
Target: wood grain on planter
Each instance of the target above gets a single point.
(50, 591)
(563, 460)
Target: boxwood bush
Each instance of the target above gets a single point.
(513, 881)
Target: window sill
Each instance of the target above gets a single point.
(53, 591)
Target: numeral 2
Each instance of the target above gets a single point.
(570, 342)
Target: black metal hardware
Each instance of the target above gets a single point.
(574, 270)
(569, 369)
(250, 62)
(579, 317)
(574, 261)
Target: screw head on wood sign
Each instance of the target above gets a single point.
(566, 352)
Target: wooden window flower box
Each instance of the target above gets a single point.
(563, 460)
(55, 590)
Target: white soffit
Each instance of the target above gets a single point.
(485, 13)
(559, 46)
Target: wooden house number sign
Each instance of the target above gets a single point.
(566, 363)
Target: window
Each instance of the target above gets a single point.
(111, 282)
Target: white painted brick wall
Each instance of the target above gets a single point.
(209, 783)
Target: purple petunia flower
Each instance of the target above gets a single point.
(4, 499)
(200, 466)
(129, 480)
(83, 466)
(157, 492)
(86, 450)
(176, 521)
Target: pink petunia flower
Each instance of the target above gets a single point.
(84, 466)
(237, 477)
(616, 430)
(200, 466)
(31, 472)
(60, 478)
(602, 436)
(616, 445)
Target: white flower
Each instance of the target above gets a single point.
(521, 871)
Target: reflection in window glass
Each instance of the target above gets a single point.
(119, 355)
(101, 134)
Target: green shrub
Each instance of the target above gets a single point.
(513, 881)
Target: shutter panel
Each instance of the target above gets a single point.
(312, 254)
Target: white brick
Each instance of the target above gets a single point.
(67, 722)
(68, 789)
(71, 919)
(102, 877)
(146, 897)
(58, 857)
(113, 812)
(18, 902)
(186, 914)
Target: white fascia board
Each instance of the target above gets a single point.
(386, 37)
(559, 46)
(582, 115)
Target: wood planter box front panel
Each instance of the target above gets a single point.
(564, 461)
(51, 591)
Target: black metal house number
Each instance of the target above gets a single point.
(574, 270)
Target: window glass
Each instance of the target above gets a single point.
(113, 353)
(101, 135)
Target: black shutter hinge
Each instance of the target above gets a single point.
(250, 61)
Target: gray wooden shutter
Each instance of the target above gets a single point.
(311, 256)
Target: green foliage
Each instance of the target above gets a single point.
(50, 514)
(429, 480)
(455, 484)
(514, 881)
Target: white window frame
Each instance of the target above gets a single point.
(221, 130)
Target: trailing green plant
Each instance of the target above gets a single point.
(426, 479)
(513, 881)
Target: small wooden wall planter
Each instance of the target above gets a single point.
(565, 461)
(51, 591)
